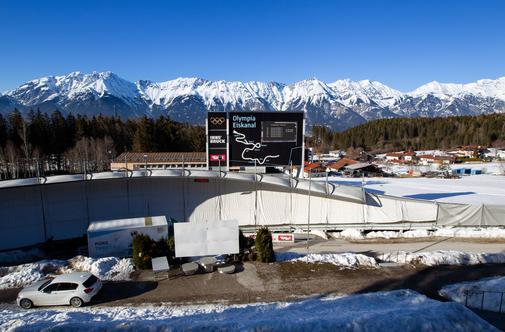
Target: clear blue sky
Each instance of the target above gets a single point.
(401, 43)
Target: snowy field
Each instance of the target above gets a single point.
(401, 310)
(494, 168)
(475, 189)
(110, 268)
(472, 293)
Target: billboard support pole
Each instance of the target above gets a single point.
(207, 142)
(302, 162)
(290, 195)
(219, 191)
(184, 189)
(308, 214)
(255, 198)
(227, 142)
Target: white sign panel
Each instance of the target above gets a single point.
(206, 238)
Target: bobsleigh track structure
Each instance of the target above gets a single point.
(61, 207)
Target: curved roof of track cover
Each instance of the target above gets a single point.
(317, 188)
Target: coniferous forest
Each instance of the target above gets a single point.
(41, 143)
(415, 133)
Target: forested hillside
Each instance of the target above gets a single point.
(416, 133)
(72, 143)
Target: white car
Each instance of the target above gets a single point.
(73, 289)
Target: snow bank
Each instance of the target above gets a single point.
(491, 232)
(358, 234)
(419, 233)
(344, 260)
(472, 293)
(110, 268)
(458, 232)
(443, 257)
(401, 310)
(25, 274)
(349, 233)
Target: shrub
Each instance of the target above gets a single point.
(142, 247)
(264, 247)
(244, 243)
(161, 248)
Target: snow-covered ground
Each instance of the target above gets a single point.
(489, 233)
(457, 232)
(401, 310)
(475, 189)
(494, 168)
(109, 268)
(486, 294)
(442, 257)
(344, 260)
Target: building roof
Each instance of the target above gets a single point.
(342, 163)
(161, 157)
(426, 156)
(127, 223)
(311, 166)
(358, 166)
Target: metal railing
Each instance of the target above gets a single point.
(476, 299)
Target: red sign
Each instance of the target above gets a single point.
(283, 237)
(216, 157)
(276, 237)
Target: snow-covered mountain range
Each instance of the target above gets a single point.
(339, 105)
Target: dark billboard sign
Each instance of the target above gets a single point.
(265, 138)
(236, 139)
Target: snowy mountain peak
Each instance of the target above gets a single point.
(365, 90)
(341, 104)
(485, 88)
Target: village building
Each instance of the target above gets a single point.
(134, 161)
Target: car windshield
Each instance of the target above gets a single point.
(47, 282)
(90, 281)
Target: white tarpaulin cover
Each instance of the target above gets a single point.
(206, 238)
(451, 214)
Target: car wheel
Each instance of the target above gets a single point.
(76, 302)
(25, 304)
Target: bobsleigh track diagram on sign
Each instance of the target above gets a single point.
(240, 138)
